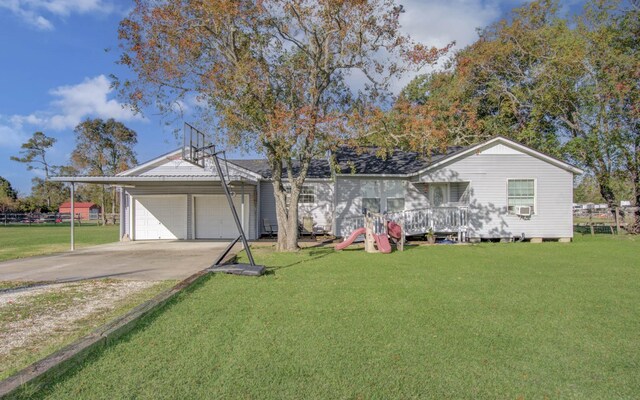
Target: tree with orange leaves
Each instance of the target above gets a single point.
(274, 74)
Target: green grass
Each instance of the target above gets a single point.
(27, 241)
(479, 322)
(5, 285)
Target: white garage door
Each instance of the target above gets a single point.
(213, 218)
(160, 217)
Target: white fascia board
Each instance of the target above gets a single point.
(156, 161)
(133, 179)
(506, 142)
(167, 157)
(306, 179)
(374, 175)
(248, 171)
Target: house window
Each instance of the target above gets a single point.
(370, 195)
(307, 195)
(371, 204)
(395, 204)
(394, 192)
(521, 192)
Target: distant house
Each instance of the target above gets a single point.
(86, 211)
(495, 189)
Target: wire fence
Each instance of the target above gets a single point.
(604, 220)
(39, 219)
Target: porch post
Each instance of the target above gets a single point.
(242, 203)
(73, 211)
(257, 212)
(122, 200)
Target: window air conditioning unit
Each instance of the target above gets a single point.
(523, 211)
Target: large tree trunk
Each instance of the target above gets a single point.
(287, 218)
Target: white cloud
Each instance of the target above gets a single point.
(11, 136)
(440, 22)
(31, 11)
(71, 105)
(89, 98)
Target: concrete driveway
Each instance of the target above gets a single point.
(154, 260)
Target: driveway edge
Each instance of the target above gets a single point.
(35, 376)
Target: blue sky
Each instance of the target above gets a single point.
(55, 69)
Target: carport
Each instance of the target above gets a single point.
(182, 207)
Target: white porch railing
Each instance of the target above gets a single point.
(436, 219)
(350, 224)
(420, 221)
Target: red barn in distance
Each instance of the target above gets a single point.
(86, 211)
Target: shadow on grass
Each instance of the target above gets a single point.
(45, 388)
(321, 252)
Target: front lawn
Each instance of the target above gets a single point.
(26, 241)
(485, 321)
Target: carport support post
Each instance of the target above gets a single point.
(242, 204)
(73, 210)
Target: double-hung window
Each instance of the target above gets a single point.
(521, 193)
(307, 195)
(370, 195)
(394, 191)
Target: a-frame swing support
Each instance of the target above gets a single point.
(196, 155)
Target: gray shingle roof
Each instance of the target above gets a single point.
(318, 168)
(364, 161)
(398, 162)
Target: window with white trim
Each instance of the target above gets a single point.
(521, 193)
(395, 204)
(307, 195)
(370, 191)
(394, 192)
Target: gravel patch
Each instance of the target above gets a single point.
(35, 315)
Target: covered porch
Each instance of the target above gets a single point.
(449, 220)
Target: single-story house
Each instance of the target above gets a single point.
(84, 210)
(495, 189)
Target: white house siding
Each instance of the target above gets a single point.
(349, 191)
(190, 191)
(415, 198)
(321, 211)
(488, 172)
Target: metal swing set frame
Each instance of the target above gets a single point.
(196, 151)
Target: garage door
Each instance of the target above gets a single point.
(213, 218)
(160, 217)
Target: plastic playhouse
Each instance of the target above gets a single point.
(379, 233)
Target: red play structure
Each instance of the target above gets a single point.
(376, 242)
